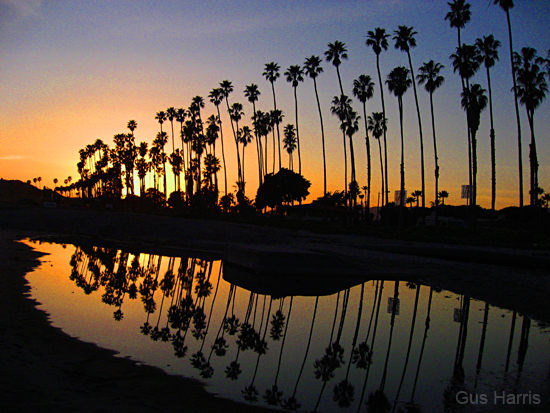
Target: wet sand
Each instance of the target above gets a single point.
(43, 369)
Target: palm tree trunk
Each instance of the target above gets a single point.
(520, 157)
(223, 153)
(533, 159)
(297, 132)
(493, 152)
(384, 118)
(277, 124)
(402, 195)
(322, 138)
(421, 139)
(436, 159)
(381, 167)
(367, 143)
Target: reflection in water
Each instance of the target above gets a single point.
(345, 351)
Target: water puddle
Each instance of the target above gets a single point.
(380, 345)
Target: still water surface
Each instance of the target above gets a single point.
(397, 345)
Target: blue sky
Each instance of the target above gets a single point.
(73, 72)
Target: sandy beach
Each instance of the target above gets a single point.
(43, 369)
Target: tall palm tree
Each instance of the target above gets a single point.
(160, 117)
(294, 75)
(271, 73)
(236, 113)
(251, 92)
(466, 63)
(431, 79)
(488, 53)
(459, 15)
(474, 102)
(506, 5)
(377, 123)
(404, 41)
(363, 89)
(335, 53)
(216, 96)
(171, 115)
(276, 116)
(289, 142)
(398, 82)
(341, 106)
(313, 68)
(244, 135)
(531, 89)
(378, 40)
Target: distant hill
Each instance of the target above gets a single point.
(16, 191)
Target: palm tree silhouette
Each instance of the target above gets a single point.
(171, 115)
(431, 79)
(378, 40)
(474, 102)
(313, 68)
(271, 73)
(289, 142)
(244, 135)
(363, 89)
(160, 117)
(236, 113)
(506, 5)
(488, 52)
(398, 82)
(404, 41)
(216, 96)
(335, 53)
(459, 15)
(251, 92)
(276, 117)
(531, 89)
(466, 63)
(341, 106)
(443, 195)
(294, 75)
(377, 124)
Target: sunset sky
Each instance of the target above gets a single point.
(76, 71)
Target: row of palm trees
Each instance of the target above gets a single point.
(196, 158)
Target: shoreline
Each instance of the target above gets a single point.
(45, 370)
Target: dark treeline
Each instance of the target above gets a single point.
(194, 148)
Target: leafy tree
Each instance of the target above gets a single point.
(283, 188)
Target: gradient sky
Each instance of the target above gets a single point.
(76, 71)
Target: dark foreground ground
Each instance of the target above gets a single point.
(43, 369)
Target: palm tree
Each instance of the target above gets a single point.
(363, 89)
(416, 195)
(170, 115)
(531, 89)
(377, 123)
(244, 136)
(466, 62)
(431, 79)
(378, 40)
(335, 53)
(313, 68)
(216, 96)
(276, 116)
(160, 117)
(443, 195)
(251, 92)
(271, 73)
(236, 113)
(404, 41)
(474, 102)
(488, 52)
(398, 82)
(506, 5)
(294, 75)
(289, 142)
(459, 15)
(341, 106)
